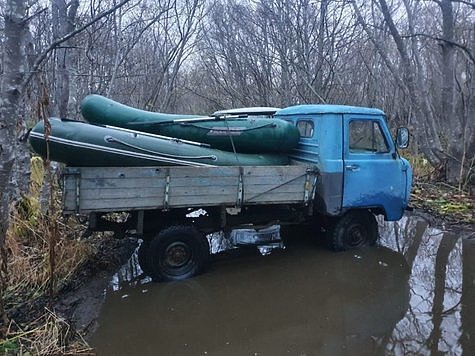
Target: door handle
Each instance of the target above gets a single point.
(352, 167)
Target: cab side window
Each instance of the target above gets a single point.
(366, 136)
(305, 128)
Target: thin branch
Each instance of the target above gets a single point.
(66, 37)
(377, 46)
(35, 14)
(455, 44)
(468, 3)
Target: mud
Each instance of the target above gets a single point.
(412, 294)
(81, 300)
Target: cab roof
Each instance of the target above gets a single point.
(327, 109)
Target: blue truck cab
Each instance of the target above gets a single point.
(360, 167)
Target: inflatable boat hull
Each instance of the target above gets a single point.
(76, 143)
(248, 135)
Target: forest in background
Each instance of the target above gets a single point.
(415, 59)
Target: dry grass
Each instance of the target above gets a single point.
(29, 272)
(432, 194)
(35, 242)
(48, 335)
(29, 241)
(422, 169)
(444, 201)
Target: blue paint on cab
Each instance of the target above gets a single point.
(354, 175)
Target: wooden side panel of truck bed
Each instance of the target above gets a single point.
(96, 189)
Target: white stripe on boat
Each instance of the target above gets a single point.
(117, 151)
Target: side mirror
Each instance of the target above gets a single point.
(402, 137)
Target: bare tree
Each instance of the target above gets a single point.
(16, 78)
(14, 70)
(429, 75)
(63, 22)
(454, 120)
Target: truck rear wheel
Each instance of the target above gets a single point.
(354, 230)
(178, 252)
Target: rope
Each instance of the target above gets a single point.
(231, 138)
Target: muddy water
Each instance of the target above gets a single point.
(412, 294)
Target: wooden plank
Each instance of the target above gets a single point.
(141, 187)
(273, 202)
(197, 172)
(156, 182)
(200, 200)
(118, 172)
(121, 183)
(190, 172)
(275, 181)
(202, 191)
(150, 192)
(202, 181)
(128, 188)
(179, 171)
(107, 208)
(69, 192)
(69, 200)
(272, 181)
(69, 183)
(274, 171)
(118, 204)
(229, 182)
(274, 198)
(259, 189)
(113, 193)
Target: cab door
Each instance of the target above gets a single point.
(374, 175)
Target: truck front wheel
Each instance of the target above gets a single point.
(178, 252)
(354, 230)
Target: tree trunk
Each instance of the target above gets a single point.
(319, 88)
(415, 241)
(433, 148)
(446, 246)
(15, 26)
(450, 119)
(63, 20)
(467, 338)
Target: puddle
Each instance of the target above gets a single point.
(412, 294)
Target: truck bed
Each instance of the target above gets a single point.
(108, 189)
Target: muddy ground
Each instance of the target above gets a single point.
(80, 302)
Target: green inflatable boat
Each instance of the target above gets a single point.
(224, 132)
(76, 143)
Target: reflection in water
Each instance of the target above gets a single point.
(467, 339)
(403, 297)
(433, 322)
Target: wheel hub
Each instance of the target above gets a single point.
(355, 235)
(177, 254)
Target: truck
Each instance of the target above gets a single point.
(345, 170)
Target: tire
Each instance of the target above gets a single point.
(353, 231)
(178, 252)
